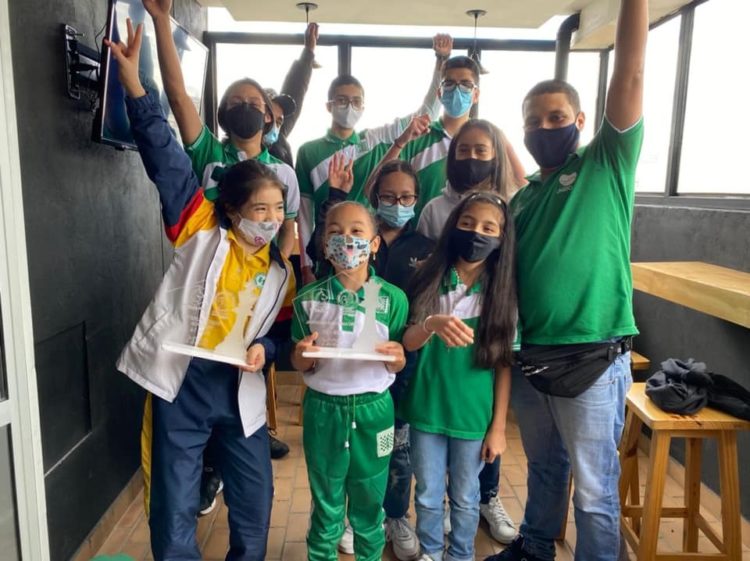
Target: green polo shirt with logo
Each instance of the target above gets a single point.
(427, 155)
(210, 157)
(448, 394)
(573, 244)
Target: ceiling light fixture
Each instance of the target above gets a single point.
(474, 53)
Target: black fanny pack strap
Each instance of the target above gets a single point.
(569, 370)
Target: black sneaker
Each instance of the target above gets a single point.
(211, 485)
(514, 552)
(278, 448)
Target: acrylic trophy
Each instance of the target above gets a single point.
(231, 350)
(327, 322)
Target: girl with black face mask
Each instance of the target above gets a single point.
(479, 158)
(463, 320)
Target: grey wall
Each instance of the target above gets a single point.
(96, 254)
(670, 330)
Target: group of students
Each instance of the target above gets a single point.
(474, 269)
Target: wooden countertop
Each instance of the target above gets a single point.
(714, 290)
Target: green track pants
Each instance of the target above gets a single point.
(348, 442)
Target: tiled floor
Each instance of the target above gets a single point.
(286, 540)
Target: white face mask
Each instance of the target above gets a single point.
(257, 233)
(346, 117)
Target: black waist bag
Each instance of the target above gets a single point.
(568, 370)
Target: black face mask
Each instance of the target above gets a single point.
(470, 172)
(551, 147)
(244, 120)
(471, 246)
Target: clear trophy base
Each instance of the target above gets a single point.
(200, 352)
(348, 354)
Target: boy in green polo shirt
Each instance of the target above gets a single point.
(366, 148)
(244, 113)
(575, 288)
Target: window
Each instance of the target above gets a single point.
(658, 100)
(8, 522)
(714, 139)
(395, 81)
(511, 75)
(269, 64)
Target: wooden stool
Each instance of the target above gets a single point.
(642, 529)
(638, 362)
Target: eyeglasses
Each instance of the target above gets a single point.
(343, 102)
(390, 200)
(466, 86)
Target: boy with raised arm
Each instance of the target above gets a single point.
(346, 103)
(244, 113)
(575, 302)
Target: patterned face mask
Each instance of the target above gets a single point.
(347, 252)
(258, 233)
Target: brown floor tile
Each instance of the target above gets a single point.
(290, 514)
(217, 544)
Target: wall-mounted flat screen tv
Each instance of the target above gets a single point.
(111, 125)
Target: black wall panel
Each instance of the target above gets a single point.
(670, 330)
(96, 254)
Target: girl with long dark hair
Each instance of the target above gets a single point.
(463, 318)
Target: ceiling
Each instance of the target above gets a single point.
(598, 17)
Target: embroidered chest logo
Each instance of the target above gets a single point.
(384, 305)
(260, 280)
(347, 299)
(566, 182)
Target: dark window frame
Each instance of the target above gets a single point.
(670, 195)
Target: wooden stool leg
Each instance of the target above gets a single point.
(564, 526)
(693, 454)
(730, 494)
(271, 397)
(657, 475)
(629, 464)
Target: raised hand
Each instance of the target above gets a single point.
(453, 331)
(442, 44)
(158, 8)
(418, 126)
(311, 36)
(127, 56)
(340, 174)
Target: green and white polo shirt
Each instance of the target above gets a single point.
(337, 314)
(210, 156)
(367, 148)
(427, 155)
(573, 244)
(448, 394)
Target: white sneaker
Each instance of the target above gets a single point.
(501, 526)
(447, 519)
(346, 543)
(403, 537)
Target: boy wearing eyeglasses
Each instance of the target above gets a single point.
(346, 103)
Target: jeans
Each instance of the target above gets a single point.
(489, 481)
(582, 434)
(432, 456)
(396, 502)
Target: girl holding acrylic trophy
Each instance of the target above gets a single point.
(347, 327)
(463, 320)
(201, 344)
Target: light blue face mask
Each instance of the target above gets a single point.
(271, 136)
(395, 215)
(456, 102)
